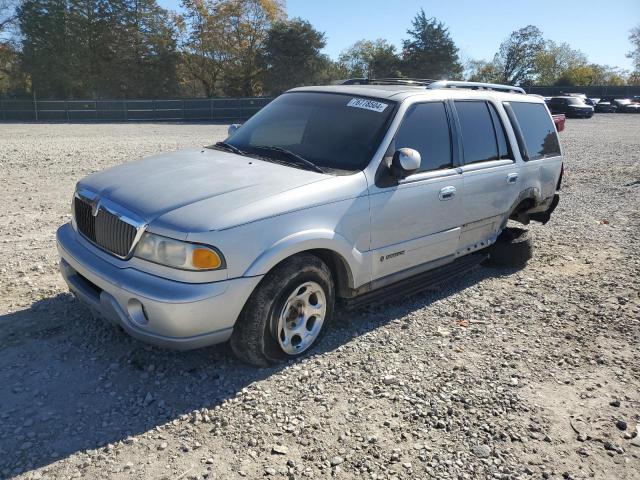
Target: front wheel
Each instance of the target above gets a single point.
(287, 314)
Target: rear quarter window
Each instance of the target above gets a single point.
(537, 128)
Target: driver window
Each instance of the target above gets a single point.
(425, 128)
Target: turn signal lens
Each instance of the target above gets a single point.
(205, 259)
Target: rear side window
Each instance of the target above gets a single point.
(537, 130)
(479, 141)
(425, 128)
(503, 146)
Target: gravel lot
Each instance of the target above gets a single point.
(502, 374)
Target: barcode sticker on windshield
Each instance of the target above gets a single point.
(367, 104)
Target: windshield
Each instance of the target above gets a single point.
(576, 101)
(333, 131)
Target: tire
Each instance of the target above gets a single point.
(513, 248)
(287, 314)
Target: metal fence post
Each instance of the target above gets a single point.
(124, 108)
(211, 109)
(35, 104)
(4, 115)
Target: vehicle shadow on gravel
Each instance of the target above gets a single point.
(70, 382)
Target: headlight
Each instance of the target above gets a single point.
(178, 254)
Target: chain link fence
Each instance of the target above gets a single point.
(200, 109)
(214, 109)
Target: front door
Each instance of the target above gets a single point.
(417, 220)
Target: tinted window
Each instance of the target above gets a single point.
(538, 131)
(336, 132)
(478, 136)
(503, 146)
(425, 128)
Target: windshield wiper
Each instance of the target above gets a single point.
(230, 148)
(291, 157)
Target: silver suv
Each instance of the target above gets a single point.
(328, 193)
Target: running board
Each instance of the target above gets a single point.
(417, 283)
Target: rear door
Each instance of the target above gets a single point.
(539, 147)
(416, 220)
(489, 171)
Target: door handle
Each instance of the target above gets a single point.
(447, 193)
(512, 178)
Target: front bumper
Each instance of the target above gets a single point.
(155, 310)
(580, 113)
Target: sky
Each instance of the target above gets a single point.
(600, 29)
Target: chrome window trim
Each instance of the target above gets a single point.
(116, 210)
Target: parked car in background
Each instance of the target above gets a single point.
(605, 107)
(626, 105)
(571, 106)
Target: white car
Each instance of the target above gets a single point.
(329, 193)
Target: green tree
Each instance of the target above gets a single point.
(551, 63)
(98, 48)
(46, 46)
(516, 57)
(371, 59)
(592, 74)
(292, 56)
(430, 52)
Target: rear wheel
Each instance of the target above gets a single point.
(287, 314)
(513, 248)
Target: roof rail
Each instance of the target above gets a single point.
(418, 82)
(476, 86)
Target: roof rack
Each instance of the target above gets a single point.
(431, 84)
(476, 86)
(415, 82)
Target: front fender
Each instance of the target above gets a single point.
(312, 240)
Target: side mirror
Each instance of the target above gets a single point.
(232, 128)
(405, 161)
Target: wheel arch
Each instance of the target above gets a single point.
(345, 262)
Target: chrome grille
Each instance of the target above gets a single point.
(104, 229)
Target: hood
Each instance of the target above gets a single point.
(219, 182)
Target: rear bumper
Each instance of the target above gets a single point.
(544, 216)
(152, 309)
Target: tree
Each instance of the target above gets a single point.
(98, 48)
(592, 74)
(292, 55)
(8, 54)
(554, 60)
(430, 52)
(516, 57)
(483, 71)
(634, 55)
(204, 49)
(245, 26)
(371, 59)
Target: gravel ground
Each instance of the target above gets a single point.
(502, 374)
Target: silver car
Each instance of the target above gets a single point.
(328, 194)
